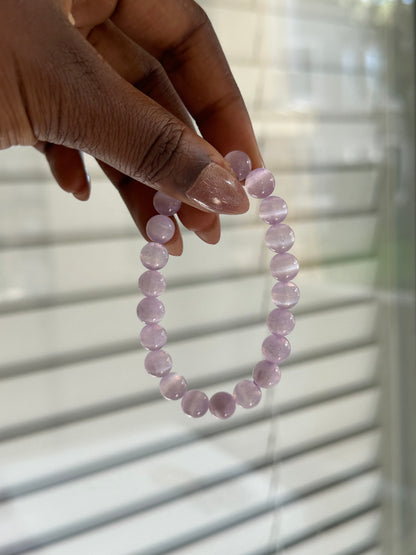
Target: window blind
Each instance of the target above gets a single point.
(92, 460)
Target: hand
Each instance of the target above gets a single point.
(117, 79)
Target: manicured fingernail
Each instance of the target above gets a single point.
(175, 245)
(212, 234)
(218, 190)
(84, 193)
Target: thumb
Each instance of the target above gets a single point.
(82, 103)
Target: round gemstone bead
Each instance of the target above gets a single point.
(166, 205)
(247, 394)
(280, 321)
(173, 386)
(240, 163)
(222, 405)
(276, 348)
(150, 310)
(280, 238)
(195, 403)
(152, 283)
(266, 374)
(158, 363)
(160, 229)
(260, 183)
(273, 210)
(284, 267)
(285, 294)
(154, 256)
(153, 337)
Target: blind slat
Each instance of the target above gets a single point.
(335, 495)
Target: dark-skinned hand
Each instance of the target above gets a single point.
(119, 80)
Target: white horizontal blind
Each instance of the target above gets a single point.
(92, 460)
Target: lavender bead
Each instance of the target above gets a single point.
(152, 283)
(276, 348)
(158, 363)
(280, 321)
(153, 337)
(280, 238)
(266, 374)
(240, 163)
(173, 386)
(195, 403)
(284, 267)
(285, 294)
(247, 394)
(222, 405)
(273, 210)
(260, 183)
(150, 310)
(154, 256)
(166, 205)
(160, 229)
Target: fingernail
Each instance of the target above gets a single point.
(217, 190)
(84, 193)
(175, 245)
(212, 234)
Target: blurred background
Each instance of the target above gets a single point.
(92, 459)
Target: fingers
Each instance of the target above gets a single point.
(82, 103)
(179, 34)
(138, 67)
(138, 199)
(141, 69)
(208, 228)
(67, 167)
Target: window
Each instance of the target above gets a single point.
(92, 460)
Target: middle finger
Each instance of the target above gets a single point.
(138, 67)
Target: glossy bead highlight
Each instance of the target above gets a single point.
(222, 405)
(152, 283)
(173, 386)
(154, 256)
(153, 337)
(240, 163)
(150, 310)
(160, 229)
(266, 374)
(284, 267)
(158, 363)
(280, 321)
(276, 348)
(166, 205)
(247, 394)
(260, 183)
(195, 403)
(280, 238)
(285, 294)
(273, 210)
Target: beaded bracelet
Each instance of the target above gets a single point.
(160, 228)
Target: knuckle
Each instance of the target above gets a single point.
(197, 27)
(153, 75)
(198, 16)
(162, 152)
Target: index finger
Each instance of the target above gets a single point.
(179, 34)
